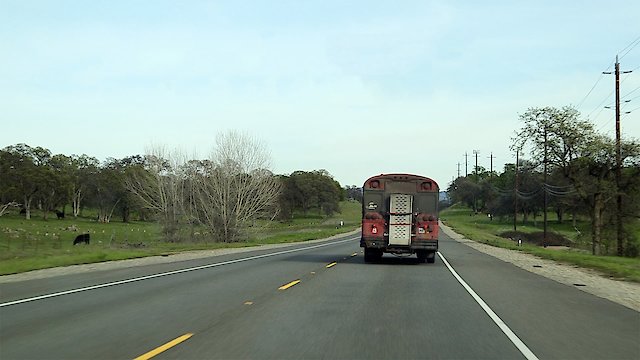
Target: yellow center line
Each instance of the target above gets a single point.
(354, 254)
(331, 265)
(164, 347)
(286, 286)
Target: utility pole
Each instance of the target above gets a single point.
(458, 169)
(466, 164)
(475, 169)
(475, 196)
(544, 187)
(515, 193)
(619, 227)
(491, 168)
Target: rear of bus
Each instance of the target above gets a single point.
(400, 216)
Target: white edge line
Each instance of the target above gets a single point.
(496, 319)
(121, 282)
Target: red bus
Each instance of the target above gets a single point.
(400, 216)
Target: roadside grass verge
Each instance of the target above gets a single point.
(484, 230)
(38, 244)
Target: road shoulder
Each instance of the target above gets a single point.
(590, 281)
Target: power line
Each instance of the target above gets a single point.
(631, 46)
(590, 91)
(631, 92)
(632, 110)
(600, 105)
(628, 74)
(558, 186)
(594, 85)
(608, 122)
(627, 49)
(633, 98)
(604, 124)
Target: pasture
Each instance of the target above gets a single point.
(37, 244)
(482, 229)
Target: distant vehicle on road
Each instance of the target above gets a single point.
(400, 216)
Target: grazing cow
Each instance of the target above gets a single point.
(82, 238)
(60, 214)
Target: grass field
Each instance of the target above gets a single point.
(482, 229)
(37, 244)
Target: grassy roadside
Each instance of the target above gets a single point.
(481, 229)
(39, 244)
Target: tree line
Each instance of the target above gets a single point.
(572, 170)
(225, 193)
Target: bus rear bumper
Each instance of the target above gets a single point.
(373, 243)
(431, 245)
(381, 243)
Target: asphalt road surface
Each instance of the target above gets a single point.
(314, 301)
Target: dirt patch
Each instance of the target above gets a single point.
(535, 238)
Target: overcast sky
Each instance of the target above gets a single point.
(354, 87)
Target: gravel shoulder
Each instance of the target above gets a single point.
(590, 281)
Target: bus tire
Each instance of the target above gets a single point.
(368, 255)
(422, 255)
(372, 255)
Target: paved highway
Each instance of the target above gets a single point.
(313, 301)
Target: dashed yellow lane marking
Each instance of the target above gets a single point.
(164, 347)
(286, 286)
(248, 302)
(354, 254)
(331, 265)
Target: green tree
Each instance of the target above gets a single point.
(594, 179)
(353, 192)
(465, 190)
(106, 190)
(287, 198)
(311, 190)
(83, 171)
(55, 184)
(585, 159)
(23, 173)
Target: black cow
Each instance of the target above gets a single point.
(82, 238)
(60, 214)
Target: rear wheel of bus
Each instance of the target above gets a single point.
(426, 256)
(422, 255)
(372, 255)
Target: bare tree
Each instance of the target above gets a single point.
(5, 207)
(237, 188)
(160, 185)
(225, 192)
